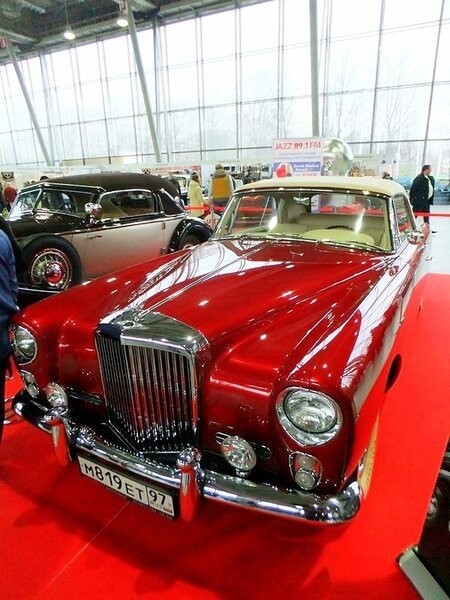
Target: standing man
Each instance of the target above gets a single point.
(422, 192)
(8, 306)
(221, 187)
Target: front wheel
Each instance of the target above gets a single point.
(52, 264)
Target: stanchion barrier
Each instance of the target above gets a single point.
(431, 214)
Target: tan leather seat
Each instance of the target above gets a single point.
(111, 211)
(338, 235)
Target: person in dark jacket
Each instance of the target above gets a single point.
(422, 192)
(8, 306)
(18, 256)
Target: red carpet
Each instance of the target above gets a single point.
(62, 536)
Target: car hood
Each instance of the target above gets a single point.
(234, 292)
(39, 222)
(223, 286)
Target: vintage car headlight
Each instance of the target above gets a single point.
(24, 345)
(311, 418)
(238, 453)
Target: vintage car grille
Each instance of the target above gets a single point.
(150, 394)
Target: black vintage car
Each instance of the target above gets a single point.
(73, 229)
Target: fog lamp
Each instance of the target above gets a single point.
(306, 469)
(30, 383)
(56, 395)
(239, 454)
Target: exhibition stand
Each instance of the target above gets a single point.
(64, 536)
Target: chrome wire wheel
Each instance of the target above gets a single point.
(50, 269)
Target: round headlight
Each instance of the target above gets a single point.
(309, 417)
(23, 343)
(238, 453)
(310, 412)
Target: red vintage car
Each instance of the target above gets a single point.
(250, 370)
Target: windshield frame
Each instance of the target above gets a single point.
(59, 187)
(219, 231)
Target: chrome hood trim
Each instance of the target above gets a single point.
(137, 327)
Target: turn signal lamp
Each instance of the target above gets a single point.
(306, 469)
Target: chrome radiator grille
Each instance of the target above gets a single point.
(150, 394)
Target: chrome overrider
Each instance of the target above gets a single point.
(192, 481)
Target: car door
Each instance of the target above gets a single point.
(130, 230)
(412, 250)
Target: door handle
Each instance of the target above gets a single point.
(93, 237)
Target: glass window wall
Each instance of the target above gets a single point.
(225, 84)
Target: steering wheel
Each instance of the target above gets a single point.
(340, 227)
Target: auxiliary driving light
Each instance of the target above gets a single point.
(239, 454)
(306, 469)
(30, 383)
(56, 395)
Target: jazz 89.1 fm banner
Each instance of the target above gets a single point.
(297, 156)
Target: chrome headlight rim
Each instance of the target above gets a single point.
(21, 357)
(299, 435)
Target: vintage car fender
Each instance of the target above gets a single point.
(189, 226)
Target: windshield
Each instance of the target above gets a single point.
(51, 200)
(329, 217)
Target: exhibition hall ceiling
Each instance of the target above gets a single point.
(34, 25)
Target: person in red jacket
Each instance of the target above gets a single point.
(9, 195)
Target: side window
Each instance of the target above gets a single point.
(128, 203)
(25, 202)
(403, 216)
(64, 201)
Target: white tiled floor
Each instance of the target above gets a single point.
(440, 240)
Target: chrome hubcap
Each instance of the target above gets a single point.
(51, 269)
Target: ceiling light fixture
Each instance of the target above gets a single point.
(122, 20)
(68, 32)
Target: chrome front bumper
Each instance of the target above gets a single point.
(188, 477)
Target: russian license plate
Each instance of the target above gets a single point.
(150, 496)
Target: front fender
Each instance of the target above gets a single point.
(189, 226)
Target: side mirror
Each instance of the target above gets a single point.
(92, 210)
(415, 237)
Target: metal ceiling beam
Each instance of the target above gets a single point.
(314, 57)
(17, 37)
(33, 6)
(143, 81)
(29, 103)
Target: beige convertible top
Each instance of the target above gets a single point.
(354, 184)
